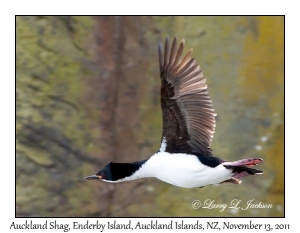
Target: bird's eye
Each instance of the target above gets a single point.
(102, 174)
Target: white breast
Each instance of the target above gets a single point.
(184, 170)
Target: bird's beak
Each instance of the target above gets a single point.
(93, 177)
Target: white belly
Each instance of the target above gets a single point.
(185, 170)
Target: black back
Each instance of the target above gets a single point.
(209, 160)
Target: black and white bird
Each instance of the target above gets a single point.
(184, 158)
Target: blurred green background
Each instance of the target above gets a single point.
(88, 91)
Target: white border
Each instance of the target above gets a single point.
(7, 119)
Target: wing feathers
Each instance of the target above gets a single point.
(179, 53)
(166, 60)
(185, 60)
(160, 57)
(172, 52)
(188, 116)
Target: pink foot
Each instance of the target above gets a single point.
(240, 175)
(244, 162)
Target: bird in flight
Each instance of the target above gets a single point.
(185, 158)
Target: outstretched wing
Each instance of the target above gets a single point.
(188, 116)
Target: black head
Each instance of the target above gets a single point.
(116, 171)
(103, 174)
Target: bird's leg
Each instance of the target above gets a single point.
(235, 178)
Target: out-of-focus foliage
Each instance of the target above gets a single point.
(88, 91)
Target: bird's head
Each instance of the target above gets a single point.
(103, 174)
